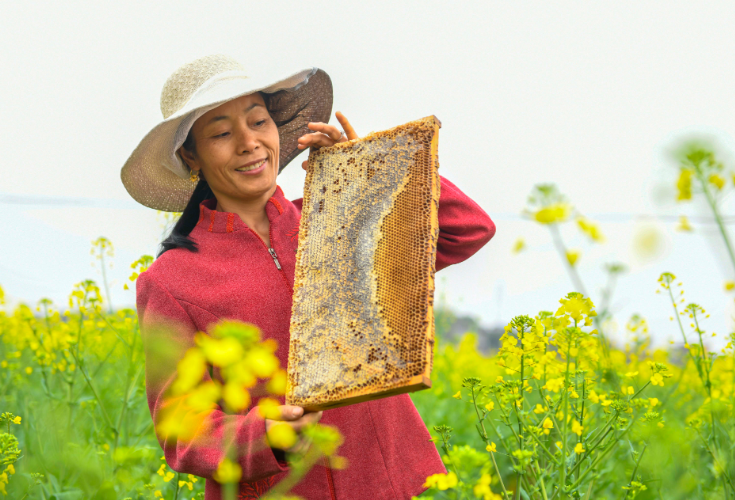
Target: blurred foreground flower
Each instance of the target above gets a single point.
(684, 224)
(245, 363)
(649, 242)
(519, 245)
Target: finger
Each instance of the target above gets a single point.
(349, 131)
(309, 418)
(316, 141)
(305, 165)
(300, 448)
(286, 413)
(326, 129)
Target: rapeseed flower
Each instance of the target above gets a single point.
(166, 475)
(717, 181)
(236, 396)
(554, 384)
(684, 184)
(577, 428)
(591, 229)
(482, 489)
(278, 383)
(519, 245)
(547, 425)
(684, 224)
(281, 435)
(573, 256)
(441, 481)
(553, 214)
(227, 472)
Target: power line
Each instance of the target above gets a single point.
(68, 201)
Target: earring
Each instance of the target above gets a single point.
(194, 177)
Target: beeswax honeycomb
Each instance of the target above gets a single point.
(362, 323)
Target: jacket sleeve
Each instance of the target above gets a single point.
(464, 227)
(167, 332)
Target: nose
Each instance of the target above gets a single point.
(247, 139)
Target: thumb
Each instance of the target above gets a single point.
(289, 412)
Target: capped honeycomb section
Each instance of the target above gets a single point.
(362, 323)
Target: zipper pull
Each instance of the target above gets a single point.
(275, 258)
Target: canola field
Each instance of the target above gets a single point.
(560, 411)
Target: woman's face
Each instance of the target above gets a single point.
(237, 149)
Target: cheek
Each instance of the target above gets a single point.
(216, 156)
(272, 138)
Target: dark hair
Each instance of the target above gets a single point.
(179, 236)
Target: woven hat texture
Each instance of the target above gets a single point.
(154, 174)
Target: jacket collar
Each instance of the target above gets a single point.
(216, 221)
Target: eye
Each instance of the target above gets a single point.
(260, 123)
(223, 134)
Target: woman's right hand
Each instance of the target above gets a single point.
(295, 417)
(326, 135)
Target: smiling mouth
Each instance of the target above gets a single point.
(254, 166)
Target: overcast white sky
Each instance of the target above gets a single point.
(583, 94)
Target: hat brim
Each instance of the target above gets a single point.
(154, 174)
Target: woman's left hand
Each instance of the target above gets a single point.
(326, 135)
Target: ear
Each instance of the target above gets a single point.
(188, 158)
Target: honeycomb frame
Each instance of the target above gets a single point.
(362, 322)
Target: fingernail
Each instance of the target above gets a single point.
(296, 412)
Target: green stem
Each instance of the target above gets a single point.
(104, 279)
(708, 383)
(176, 490)
(635, 469)
(714, 457)
(99, 401)
(564, 422)
(480, 419)
(678, 319)
(129, 389)
(541, 482)
(538, 441)
(104, 318)
(713, 205)
(518, 414)
(500, 476)
(446, 450)
(576, 280)
(600, 457)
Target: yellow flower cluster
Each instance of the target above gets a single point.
(242, 358)
(441, 481)
(559, 394)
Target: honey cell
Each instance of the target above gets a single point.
(362, 323)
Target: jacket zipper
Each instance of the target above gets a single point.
(330, 480)
(275, 257)
(272, 253)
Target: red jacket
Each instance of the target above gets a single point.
(386, 443)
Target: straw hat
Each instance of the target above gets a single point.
(155, 175)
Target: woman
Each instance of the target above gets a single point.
(232, 134)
